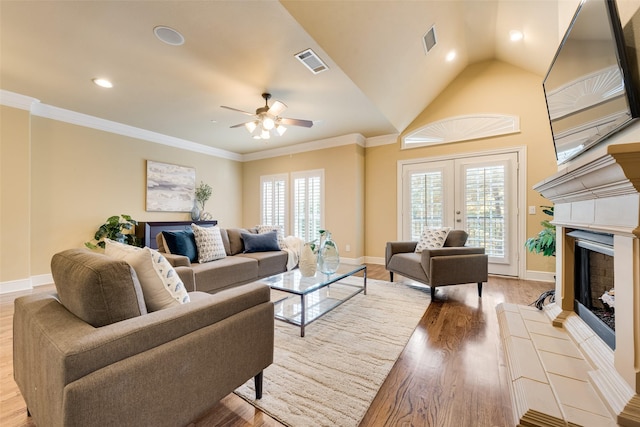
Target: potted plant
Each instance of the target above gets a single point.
(545, 242)
(203, 193)
(114, 228)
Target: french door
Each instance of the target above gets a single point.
(475, 194)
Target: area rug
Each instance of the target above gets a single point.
(330, 377)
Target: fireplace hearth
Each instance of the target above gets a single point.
(562, 370)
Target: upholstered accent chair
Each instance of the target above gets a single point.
(452, 264)
(90, 354)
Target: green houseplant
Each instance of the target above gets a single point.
(203, 193)
(545, 242)
(114, 228)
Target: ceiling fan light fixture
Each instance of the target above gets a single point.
(265, 134)
(251, 126)
(281, 129)
(268, 123)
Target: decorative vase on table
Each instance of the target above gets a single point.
(328, 256)
(308, 263)
(195, 211)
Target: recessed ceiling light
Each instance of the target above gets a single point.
(103, 83)
(168, 35)
(451, 56)
(515, 35)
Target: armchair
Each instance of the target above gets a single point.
(452, 264)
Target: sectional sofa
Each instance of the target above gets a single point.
(240, 264)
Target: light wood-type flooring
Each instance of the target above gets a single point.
(451, 373)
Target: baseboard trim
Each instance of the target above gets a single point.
(25, 284)
(374, 260)
(540, 276)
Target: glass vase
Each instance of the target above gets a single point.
(195, 211)
(328, 256)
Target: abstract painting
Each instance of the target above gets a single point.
(170, 188)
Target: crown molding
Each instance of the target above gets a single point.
(36, 108)
(376, 141)
(15, 100)
(354, 138)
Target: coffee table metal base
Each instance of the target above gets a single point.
(307, 303)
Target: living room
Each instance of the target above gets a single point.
(64, 173)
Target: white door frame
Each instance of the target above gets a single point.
(521, 192)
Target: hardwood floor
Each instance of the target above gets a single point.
(451, 373)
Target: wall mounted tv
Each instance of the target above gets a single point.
(591, 88)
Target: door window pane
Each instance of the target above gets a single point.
(485, 207)
(426, 202)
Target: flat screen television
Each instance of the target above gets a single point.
(591, 86)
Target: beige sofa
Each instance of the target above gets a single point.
(237, 268)
(91, 355)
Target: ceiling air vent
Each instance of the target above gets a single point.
(312, 61)
(429, 39)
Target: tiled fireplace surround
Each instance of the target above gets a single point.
(561, 373)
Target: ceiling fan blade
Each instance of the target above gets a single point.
(276, 108)
(239, 111)
(296, 122)
(240, 125)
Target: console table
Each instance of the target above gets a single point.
(147, 231)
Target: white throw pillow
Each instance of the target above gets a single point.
(209, 243)
(267, 228)
(432, 238)
(161, 285)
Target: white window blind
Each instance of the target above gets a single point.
(274, 200)
(308, 200)
(426, 200)
(485, 208)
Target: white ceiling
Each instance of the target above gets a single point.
(379, 78)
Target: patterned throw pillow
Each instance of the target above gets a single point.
(209, 243)
(160, 283)
(267, 228)
(432, 238)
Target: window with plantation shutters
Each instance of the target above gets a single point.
(426, 201)
(485, 208)
(273, 204)
(307, 203)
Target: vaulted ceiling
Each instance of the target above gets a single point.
(379, 78)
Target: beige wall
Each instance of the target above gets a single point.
(487, 87)
(14, 194)
(344, 190)
(81, 176)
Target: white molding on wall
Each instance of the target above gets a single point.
(376, 141)
(15, 100)
(540, 276)
(354, 138)
(25, 284)
(462, 128)
(36, 108)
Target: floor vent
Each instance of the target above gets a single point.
(312, 61)
(429, 39)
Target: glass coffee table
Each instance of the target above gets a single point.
(305, 299)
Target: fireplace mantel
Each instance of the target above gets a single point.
(600, 193)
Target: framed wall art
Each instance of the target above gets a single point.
(170, 188)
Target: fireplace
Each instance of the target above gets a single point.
(594, 287)
(563, 369)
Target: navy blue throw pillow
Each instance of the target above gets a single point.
(264, 242)
(182, 242)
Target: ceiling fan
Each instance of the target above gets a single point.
(267, 119)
